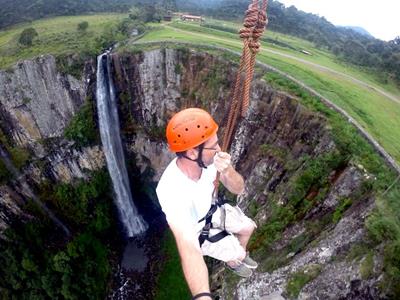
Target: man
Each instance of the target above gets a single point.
(185, 193)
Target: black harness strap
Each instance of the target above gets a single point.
(205, 231)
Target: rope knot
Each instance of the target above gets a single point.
(251, 17)
(254, 46)
(245, 33)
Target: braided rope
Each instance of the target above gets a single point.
(253, 28)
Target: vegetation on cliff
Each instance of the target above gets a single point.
(82, 128)
(383, 224)
(18, 155)
(38, 263)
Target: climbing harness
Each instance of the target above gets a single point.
(205, 231)
(254, 25)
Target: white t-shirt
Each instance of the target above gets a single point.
(183, 200)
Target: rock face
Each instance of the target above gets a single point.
(67, 164)
(153, 85)
(10, 204)
(36, 104)
(276, 143)
(335, 279)
(37, 101)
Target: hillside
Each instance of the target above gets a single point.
(347, 44)
(13, 12)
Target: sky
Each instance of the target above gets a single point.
(380, 18)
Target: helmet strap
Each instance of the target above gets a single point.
(199, 158)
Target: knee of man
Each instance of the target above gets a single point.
(248, 229)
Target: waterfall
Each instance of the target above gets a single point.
(111, 140)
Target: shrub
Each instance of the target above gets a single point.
(299, 279)
(75, 202)
(72, 65)
(4, 173)
(82, 128)
(38, 263)
(344, 204)
(367, 266)
(27, 36)
(32, 270)
(19, 156)
(82, 26)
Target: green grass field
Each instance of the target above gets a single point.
(322, 57)
(56, 36)
(374, 111)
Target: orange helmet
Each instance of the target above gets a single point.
(189, 128)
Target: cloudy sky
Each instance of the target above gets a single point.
(380, 18)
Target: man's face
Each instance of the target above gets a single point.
(211, 147)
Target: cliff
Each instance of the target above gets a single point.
(37, 102)
(308, 197)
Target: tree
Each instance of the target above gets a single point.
(169, 5)
(82, 26)
(396, 41)
(146, 13)
(135, 13)
(27, 36)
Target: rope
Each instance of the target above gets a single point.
(254, 25)
(392, 185)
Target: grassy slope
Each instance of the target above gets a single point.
(319, 56)
(378, 114)
(56, 36)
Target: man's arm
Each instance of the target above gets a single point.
(230, 178)
(193, 265)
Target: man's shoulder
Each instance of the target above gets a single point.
(170, 171)
(169, 179)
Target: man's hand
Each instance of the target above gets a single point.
(222, 161)
(231, 179)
